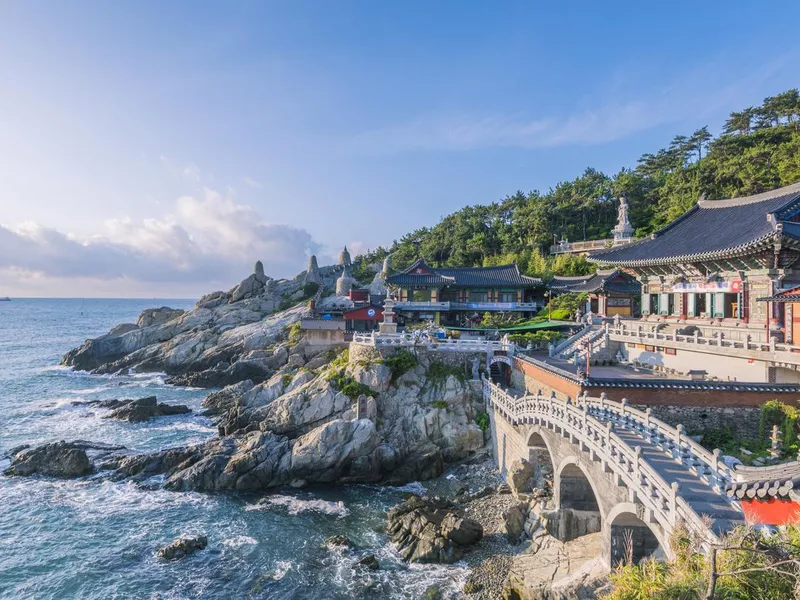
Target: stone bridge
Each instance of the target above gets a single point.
(616, 470)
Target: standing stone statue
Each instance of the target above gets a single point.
(623, 231)
(475, 364)
(312, 273)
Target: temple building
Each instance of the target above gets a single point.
(609, 292)
(460, 296)
(722, 279)
(718, 259)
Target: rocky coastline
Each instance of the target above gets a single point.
(290, 414)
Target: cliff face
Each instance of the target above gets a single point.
(300, 426)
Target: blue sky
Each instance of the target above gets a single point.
(156, 148)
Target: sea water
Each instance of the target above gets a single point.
(93, 538)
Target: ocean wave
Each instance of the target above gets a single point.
(296, 506)
(282, 567)
(415, 487)
(238, 541)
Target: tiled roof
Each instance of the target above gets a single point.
(613, 280)
(713, 229)
(502, 276)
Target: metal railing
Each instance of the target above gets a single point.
(593, 421)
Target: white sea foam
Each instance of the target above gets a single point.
(415, 487)
(239, 540)
(282, 567)
(296, 506)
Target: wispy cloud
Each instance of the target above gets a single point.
(700, 93)
(207, 239)
(250, 182)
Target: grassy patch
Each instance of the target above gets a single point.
(295, 333)
(440, 404)
(287, 379)
(339, 359)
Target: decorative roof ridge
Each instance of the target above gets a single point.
(509, 265)
(573, 277)
(770, 195)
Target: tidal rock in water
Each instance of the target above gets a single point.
(431, 530)
(143, 409)
(58, 459)
(339, 541)
(370, 562)
(183, 547)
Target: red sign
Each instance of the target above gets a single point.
(736, 286)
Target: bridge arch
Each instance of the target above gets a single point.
(574, 487)
(627, 535)
(541, 456)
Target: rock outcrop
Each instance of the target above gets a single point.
(183, 547)
(141, 410)
(431, 531)
(227, 338)
(62, 459)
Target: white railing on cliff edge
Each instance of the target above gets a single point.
(592, 422)
(388, 340)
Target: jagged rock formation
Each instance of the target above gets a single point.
(138, 411)
(431, 531)
(288, 412)
(183, 547)
(58, 459)
(224, 339)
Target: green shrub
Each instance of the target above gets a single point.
(752, 555)
(400, 363)
(440, 404)
(286, 304)
(295, 333)
(783, 415)
(345, 383)
(339, 360)
(537, 337)
(286, 379)
(482, 420)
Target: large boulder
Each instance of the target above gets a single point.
(431, 531)
(250, 286)
(520, 476)
(58, 459)
(344, 451)
(141, 410)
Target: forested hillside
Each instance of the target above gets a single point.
(758, 150)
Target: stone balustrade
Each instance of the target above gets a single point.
(592, 423)
(385, 340)
(747, 348)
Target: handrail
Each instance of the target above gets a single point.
(559, 347)
(697, 340)
(599, 437)
(592, 337)
(408, 339)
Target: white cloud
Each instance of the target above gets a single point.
(207, 241)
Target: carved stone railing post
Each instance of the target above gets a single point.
(719, 484)
(679, 441)
(673, 509)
